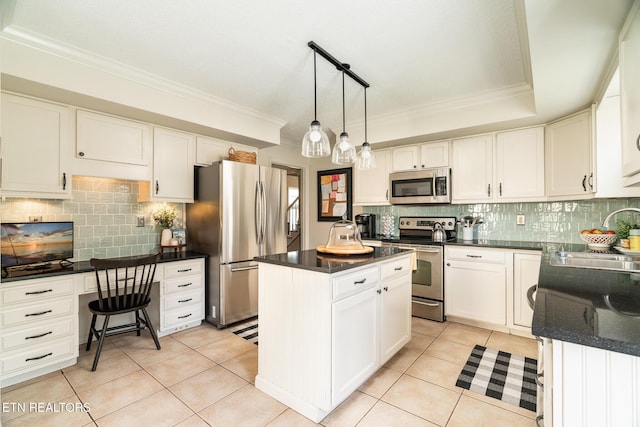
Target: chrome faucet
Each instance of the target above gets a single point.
(605, 222)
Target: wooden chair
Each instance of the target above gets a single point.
(124, 286)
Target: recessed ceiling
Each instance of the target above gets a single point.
(428, 61)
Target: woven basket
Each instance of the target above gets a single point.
(599, 240)
(242, 156)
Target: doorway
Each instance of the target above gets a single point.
(294, 207)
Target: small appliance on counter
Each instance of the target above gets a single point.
(366, 225)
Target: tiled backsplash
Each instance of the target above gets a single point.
(104, 213)
(544, 221)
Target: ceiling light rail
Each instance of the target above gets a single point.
(341, 66)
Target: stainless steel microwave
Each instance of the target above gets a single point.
(421, 187)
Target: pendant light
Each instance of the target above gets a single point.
(366, 158)
(344, 153)
(315, 142)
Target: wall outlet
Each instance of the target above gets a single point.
(520, 220)
(35, 218)
(140, 221)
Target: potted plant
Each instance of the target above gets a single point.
(164, 216)
(622, 229)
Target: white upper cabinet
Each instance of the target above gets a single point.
(509, 167)
(472, 169)
(371, 186)
(37, 142)
(111, 147)
(209, 150)
(568, 147)
(519, 168)
(630, 95)
(425, 156)
(173, 163)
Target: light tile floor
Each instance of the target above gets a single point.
(204, 376)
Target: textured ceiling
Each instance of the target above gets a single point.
(415, 54)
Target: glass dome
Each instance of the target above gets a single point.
(344, 234)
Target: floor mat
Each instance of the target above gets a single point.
(500, 375)
(247, 330)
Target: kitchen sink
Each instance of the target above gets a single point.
(594, 260)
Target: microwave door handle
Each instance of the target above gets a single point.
(433, 186)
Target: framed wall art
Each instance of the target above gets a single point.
(334, 194)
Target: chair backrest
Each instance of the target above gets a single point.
(124, 283)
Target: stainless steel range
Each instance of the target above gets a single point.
(428, 282)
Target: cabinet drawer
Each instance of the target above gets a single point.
(475, 255)
(392, 269)
(90, 283)
(182, 299)
(37, 312)
(180, 284)
(183, 315)
(37, 292)
(46, 331)
(354, 282)
(177, 269)
(39, 356)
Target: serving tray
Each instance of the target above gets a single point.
(346, 250)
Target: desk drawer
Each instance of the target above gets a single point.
(354, 282)
(182, 268)
(37, 312)
(39, 356)
(46, 331)
(396, 268)
(183, 299)
(181, 284)
(37, 292)
(180, 316)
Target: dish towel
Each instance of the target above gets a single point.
(414, 261)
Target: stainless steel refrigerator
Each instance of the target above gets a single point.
(239, 213)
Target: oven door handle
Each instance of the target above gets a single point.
(428, 304)
(423, 249)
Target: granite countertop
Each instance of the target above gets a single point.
(327, 263)
(596, 308)
(84, 267)
(488, 243)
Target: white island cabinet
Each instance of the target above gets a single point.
(325, 330)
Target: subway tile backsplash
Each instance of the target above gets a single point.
(544, 221)
(104, 214)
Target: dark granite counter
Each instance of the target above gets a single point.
(499, 244)
(56, 269)
(326, 263)
(596, 308)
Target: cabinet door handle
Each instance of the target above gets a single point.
(185, 300)
(379, 291)
(591, 180)
(584, 183)
(38, 292)
(386, 195)
(386, 289)
(38, 336)
(157, 186)
(398, 268)
(360, 282)
(64, 180)
(185, 285)
(415, 166)
(474, 256)
(638, 142)
(185, 316)
(501, 189)
(184, 270)
(488, 190)
(81, 154)
(38, 357)
(38, 314)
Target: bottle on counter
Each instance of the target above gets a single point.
(634, 240)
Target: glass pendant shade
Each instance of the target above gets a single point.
(315, 142)
(366, 158)
(344, 153)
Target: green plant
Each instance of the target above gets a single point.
(164, 216)
(623, 227)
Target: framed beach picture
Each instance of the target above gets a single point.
(334, 194)
(181, 235)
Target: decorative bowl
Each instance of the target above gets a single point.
(599, 240)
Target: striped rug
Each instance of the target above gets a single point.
(247, 329)
(500, 375)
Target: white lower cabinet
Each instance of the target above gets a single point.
(476, 284)
(526, 268)
(38, 327)
(322, 335)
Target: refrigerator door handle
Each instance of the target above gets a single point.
(258, 218)
(264, 213)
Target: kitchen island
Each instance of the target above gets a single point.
(327, 323)
(590, 322)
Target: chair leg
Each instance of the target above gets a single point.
(138, 322)
(91, 329)
(103, 332)
(151, 328)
